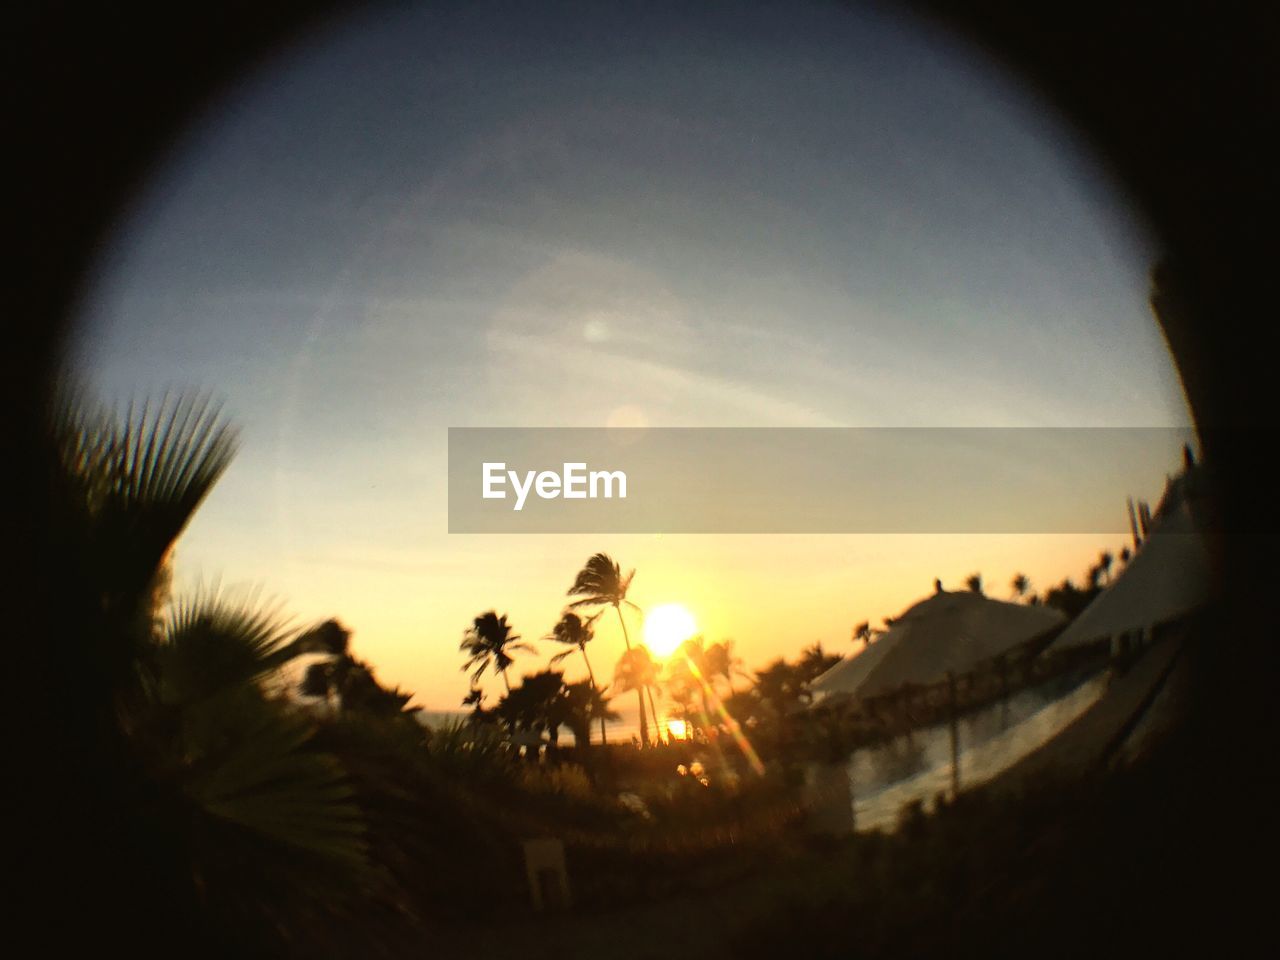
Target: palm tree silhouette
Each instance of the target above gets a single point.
(680, 689)
(781, 686)
(1105, 561)
(351, 683)
(600, 583)
(691, 670)
(488, 644)
(864, 633)
(638, 671)
(1020, 584)
(533, 706)
(974, 582)
(721, 661)
(1093, 576)
(573, 631)
(178, 684)
(579, 704)
(814, 662)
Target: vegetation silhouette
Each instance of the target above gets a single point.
(865, 633)
(600, 583)
(543, 702)
(253, 825)
(345, 683)
(489, 643)
(720, 661)
(1020, 585)
(575, 632)
(637, 670)
(314, 814)
(689, 682)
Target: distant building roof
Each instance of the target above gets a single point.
(948, 631)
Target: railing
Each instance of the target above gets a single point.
(850, 724)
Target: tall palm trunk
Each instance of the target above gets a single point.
(592, 675)
(644, 720)
(653, 709)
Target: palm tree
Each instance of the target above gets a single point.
(580, 703)
(974, 582)
(175, 689)
(319, 682)
(330, 638)
(814, 662)
(600, 583)
(489, 643)
(689, 670)
(723, 662)
(1020, 584)
(864, 633)
(781, 686)
(573, 631)
(1093, 577)
(1105, 561)
(123, 493)
(543, 703)
(352, 684)
(205, 671)
(533, 705)
(680, 689)
(1068, 598)
(638, 671)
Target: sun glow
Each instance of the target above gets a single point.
(668, 626)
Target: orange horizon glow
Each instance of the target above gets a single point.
(773, 594)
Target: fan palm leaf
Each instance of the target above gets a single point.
(210, 642)
(248, 762)
(124, 490)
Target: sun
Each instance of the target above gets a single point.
(668, 626)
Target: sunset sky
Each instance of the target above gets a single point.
(562, 215)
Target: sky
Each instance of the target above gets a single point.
(573, 214)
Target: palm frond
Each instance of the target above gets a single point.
(250, 763)
(600, 577)
(170, 460)
(210, 642)
(489, 642)
(132, 485)
(329, 637)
